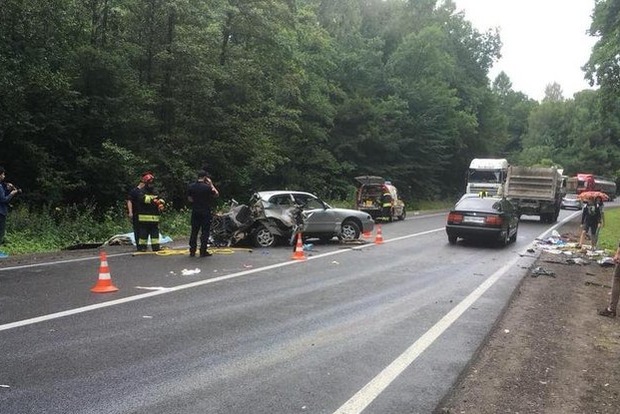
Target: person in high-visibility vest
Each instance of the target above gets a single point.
(133, 199)
(149, 208)
(387, 203)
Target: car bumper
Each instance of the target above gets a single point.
(368, 226)
(470, 232)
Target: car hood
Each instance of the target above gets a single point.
(348, 212)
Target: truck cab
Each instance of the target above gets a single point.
(487, 175)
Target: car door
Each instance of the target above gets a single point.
(511, 216)
(319, 219)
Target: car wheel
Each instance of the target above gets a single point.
(349, 231)
(264, 238)
(514, 236)
(506, 239)
(403, 215)
(452, 239)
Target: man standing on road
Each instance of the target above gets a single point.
(201, 194)
(7, 192)
(133, 200)
(610, 310)
(591, 221)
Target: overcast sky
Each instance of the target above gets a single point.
(544, 41)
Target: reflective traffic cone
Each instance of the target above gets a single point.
(104, 283)
(379, 237)
(367, 234)
(299, 249)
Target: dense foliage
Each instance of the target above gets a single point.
(302, 94)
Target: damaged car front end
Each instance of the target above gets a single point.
(280, 214)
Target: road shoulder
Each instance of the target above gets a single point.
(550, 352)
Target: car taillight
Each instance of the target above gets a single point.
(455, 218)
(494, 220)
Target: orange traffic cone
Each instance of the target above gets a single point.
(104, 283)
(379, 237)
(367, 234)
(299, 249)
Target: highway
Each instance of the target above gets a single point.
(372, 328)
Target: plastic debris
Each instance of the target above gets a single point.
(3, 255)
(187, 272)
(539, 271)
(606, 262)
(308, 246)
(577, 261)
(129, 239)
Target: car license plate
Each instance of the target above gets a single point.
(477, 220)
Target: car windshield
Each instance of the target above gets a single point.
(478, 204)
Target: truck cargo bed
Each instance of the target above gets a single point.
(532, 183)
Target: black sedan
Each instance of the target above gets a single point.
(490, 218)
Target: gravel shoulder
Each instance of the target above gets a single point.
(550, 352)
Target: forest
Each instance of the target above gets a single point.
(274, 94)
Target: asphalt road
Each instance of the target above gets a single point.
(378, 328)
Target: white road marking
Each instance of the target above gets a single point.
(164, 290)
(358, 402)
(81, 259)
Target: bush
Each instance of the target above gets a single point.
(54, 229)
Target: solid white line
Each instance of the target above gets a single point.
(81, 259)
(358, 402)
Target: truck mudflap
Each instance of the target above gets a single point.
(548, 212)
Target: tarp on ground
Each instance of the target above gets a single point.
(128, 239)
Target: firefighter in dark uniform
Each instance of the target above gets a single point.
(149, 207)
(133, 200)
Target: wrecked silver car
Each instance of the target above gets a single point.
(278, 214)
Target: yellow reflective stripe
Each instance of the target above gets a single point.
(148, 218)
(154, 241)
(387, 205)
(149, 198)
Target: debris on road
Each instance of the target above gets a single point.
(539, 271)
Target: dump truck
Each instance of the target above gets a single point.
(535, 191)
